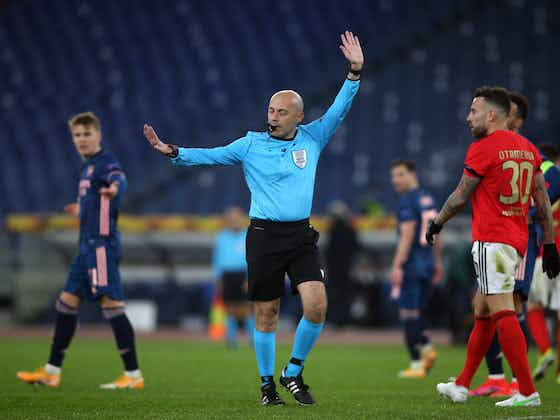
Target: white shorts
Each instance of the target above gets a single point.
(495, 266)
(540, 286)
(544, 291)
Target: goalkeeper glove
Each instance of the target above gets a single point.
(433, 229)
(550, 261)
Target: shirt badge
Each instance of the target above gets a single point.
(300, 158)
(426, 201)
(90, 169)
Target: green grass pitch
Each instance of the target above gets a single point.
(206, 380)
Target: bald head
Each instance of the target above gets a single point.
(285, 112)
(290, 98)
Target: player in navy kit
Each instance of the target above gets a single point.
(94, 273)
(543, 293)
(415, 265)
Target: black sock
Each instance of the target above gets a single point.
(64, 329)
(124, 336)
(411, 335)
(494, 358)
(422, 325)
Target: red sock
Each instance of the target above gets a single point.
(514, 348)
(539, 331)
(479, 343)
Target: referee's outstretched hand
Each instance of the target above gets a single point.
(154, 140)
(352, 50)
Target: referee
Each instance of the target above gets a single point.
(279, 167)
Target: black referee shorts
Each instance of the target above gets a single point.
(275, 249)
(233, 290)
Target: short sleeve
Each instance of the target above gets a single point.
(427, 202)
(538, 158)
(406, 210)
(552, 178)
(217, 256)
(477, 161)
(110, 170)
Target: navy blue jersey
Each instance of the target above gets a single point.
(98, 213)
(418, 205)
(552, 178)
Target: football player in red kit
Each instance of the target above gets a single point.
(501, 173)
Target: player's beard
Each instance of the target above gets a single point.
(479, 132)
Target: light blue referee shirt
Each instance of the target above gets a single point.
(279, 173)
(229, 252)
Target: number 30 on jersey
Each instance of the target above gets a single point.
(520, 170)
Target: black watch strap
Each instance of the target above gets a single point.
(174, 151)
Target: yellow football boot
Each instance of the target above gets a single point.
(40, 376)
(125, 382)
(413, 373)
(543, 363)
(428, 358)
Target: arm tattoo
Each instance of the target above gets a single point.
(542, 204)
(458, 198)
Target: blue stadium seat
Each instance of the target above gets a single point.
(202, 73)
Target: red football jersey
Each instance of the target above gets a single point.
(506, 163)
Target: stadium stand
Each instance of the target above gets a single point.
(196, 71)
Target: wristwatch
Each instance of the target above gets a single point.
(174, 151)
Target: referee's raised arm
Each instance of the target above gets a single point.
(323, 128)
(352, 50)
